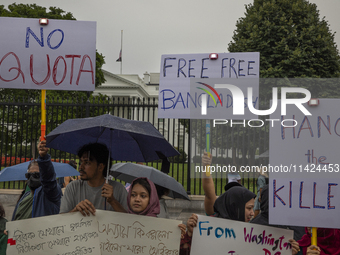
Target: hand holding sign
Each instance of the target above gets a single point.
(85, 207)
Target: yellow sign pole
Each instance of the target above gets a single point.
(207, 143)
(43, 114)
(314, 236)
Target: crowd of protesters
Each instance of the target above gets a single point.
(42, 196)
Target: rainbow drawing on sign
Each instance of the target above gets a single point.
(209, 93)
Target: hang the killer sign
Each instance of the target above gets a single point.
(58, 56)
(304, 167)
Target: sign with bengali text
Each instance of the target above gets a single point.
(106, 233)
(122, 233)
(61, 234)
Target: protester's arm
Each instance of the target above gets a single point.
(208, 186)
(47, 174)
(107, 192)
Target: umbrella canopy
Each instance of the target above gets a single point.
(127, 140)
(128, 172)
(17, 172)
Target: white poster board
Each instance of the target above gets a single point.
(305, 167)
(106, 233)
(68, 233)
(221, 236)
(122, 233)
(58, 56)
(184, 78)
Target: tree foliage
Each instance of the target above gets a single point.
(36, 11)
(292, 40)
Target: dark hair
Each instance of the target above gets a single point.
(2, 211)
(142, 182)
(99, 152)
(73, 164)
(33, 162)
(229, 185)
(161, 191)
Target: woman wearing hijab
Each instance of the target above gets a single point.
(328, 241)
(142, 198)
(236, 203)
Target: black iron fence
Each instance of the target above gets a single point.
(238, 145)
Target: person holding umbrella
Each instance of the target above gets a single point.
(92, 192)
(44, 194)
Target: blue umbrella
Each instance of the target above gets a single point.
(17, 172)
(127, 140)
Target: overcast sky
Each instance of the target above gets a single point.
(155, 27)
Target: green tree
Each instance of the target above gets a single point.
(35, 11)
(293, 43)
(292, 40)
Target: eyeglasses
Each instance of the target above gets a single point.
(34, 175)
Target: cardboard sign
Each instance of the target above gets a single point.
(106, 233)
(304, 166)
(122, 233)
(58, 56)
(188, 82)
(68, 233)
(220, 236)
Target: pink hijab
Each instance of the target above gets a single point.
(153, 207)
(328, 241)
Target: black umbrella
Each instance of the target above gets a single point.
(128, 172)
(127, 140)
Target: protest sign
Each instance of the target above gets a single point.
(304, 166)
(220, 236)
(106, 233)
(58, 56)
(121, 233)
(187, 79)
(61, 234)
